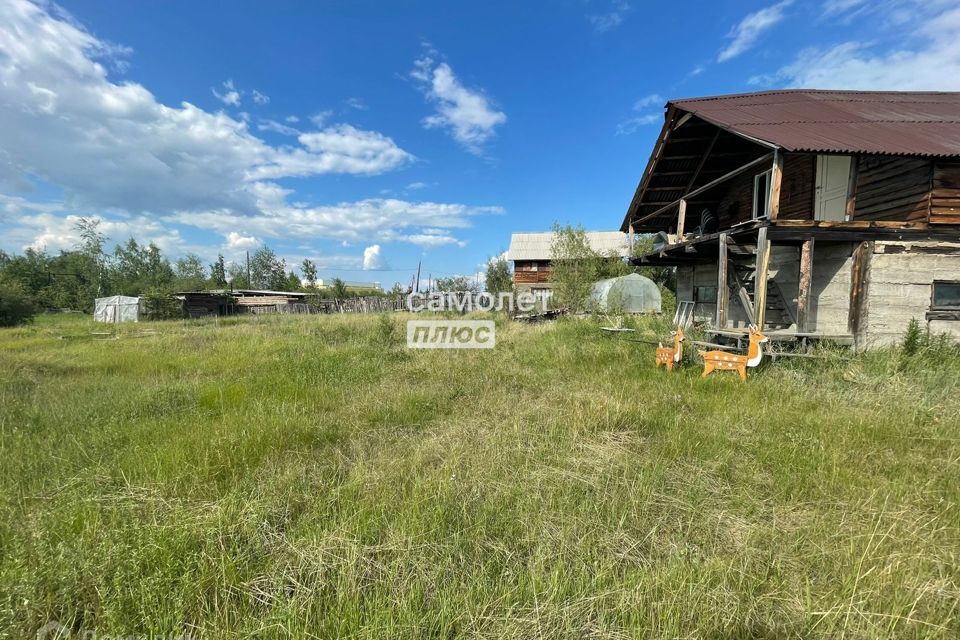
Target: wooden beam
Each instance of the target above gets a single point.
(852, 188)
(776, 178)
(713, 183)
(723, 289)
(806, 281)
(681, 219)
(858, 284)
(760, 279)
(630, 238)
(703, 161)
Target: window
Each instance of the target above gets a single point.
(761, 195)
(706, 295)
(946, 295)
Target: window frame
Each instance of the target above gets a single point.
(766, 176)
(933, 295)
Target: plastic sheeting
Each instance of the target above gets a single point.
(632, 293)
(117, 309)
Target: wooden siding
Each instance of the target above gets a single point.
(893, 188)
(796, 194)
(945, 196)
(531, 277)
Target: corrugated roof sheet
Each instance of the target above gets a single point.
(536, 246)
(883, 122)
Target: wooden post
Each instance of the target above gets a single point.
(681, 219)
(858, 285)
(776, 178)
(852, 188)
(723, 290)
(806, 280)
(630, 237)
(760, 279)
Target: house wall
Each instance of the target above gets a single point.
(945, 197)
(899, 288)
(893, 188)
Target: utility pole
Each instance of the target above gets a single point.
(249, 284)
(429, 282)
(418, 277)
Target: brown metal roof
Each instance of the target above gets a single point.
(882, 122)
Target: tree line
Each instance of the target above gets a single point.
(72, 279)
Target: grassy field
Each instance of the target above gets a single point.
(311, 477)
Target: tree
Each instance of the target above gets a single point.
(190, 272)
(218, 272)
(456, 283)
(293, 282)
(137, 268)
(267, 271)
(663, 276)
(16, 306)
(339, 289)
(237, 276)
(309, 271)
(499, 279)
(91, 246)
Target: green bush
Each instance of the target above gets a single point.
(160, 305)
(16, 307)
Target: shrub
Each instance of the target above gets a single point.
(16, 307)
(159, 305)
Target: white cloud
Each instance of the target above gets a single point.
(610, 20)
(112, 146)
(260, 98)
(416, 186)
(653, 99)
(645, 117)
(238, 241)
(931, 64)
(357, 103)
(292, 119)
(746, 33)
(372, 259)
(384, 220)
(320, 117)
(230, 96)
(277, 127)
(466, 113)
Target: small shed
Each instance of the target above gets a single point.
(631, 293)
(117, 309)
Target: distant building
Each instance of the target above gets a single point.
(530, 254)
(352, 285)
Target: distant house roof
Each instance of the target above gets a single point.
(883, 122)
(536, 246)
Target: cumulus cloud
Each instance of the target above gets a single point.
(236, 241)
(228, 95)
(467, 114)
(385, 220)
(372, 259)
(931, 64)
(111, 145)
(749, 30)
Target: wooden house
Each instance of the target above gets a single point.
(814, 214)
(531, 256)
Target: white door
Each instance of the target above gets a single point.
(833, 181)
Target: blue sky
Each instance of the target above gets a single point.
(368, 136)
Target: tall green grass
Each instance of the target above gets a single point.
(311, 477)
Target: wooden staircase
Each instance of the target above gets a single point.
(741, 279)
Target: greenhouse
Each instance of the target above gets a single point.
(627, 294)
(117, 309)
